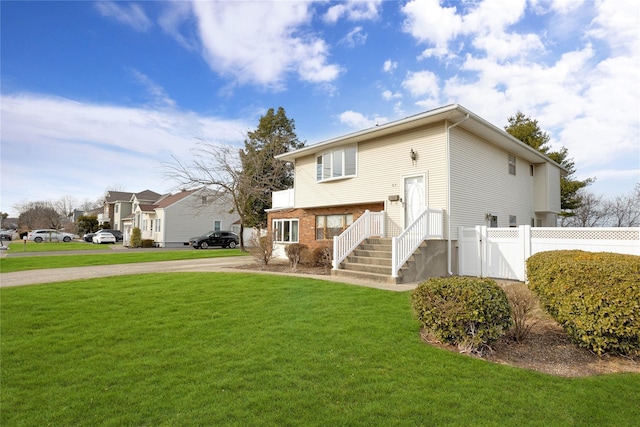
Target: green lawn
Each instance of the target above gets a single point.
(21, 246)
(186, 349)
(11, 264)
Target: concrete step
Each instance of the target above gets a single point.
(372, 277)
(366, 268)
(372, 253)
(368, 260)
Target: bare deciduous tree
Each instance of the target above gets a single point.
(217, 167)
(595, 211)
(590, 213)
(624, 211)
(40, 214)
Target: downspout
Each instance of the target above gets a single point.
(449, 194)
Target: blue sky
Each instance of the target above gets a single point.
(97, 95)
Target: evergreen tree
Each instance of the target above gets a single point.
(528, 131)
(262, 173)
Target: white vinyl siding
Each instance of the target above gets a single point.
(481, 183)
(187, 218)
(381, 165)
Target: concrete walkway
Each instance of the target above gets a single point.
(228, 265)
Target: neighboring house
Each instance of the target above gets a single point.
(118, 205)
(174, 218)
(419, 179)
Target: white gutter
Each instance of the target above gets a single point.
(449, 194)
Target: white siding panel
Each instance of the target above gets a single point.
(481, 184)
(382, 164)
(188, 218)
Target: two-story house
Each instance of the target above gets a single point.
(174, 218)
(412, 182)
(118, 205)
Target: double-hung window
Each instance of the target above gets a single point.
(512, 164)
(337, 163)
(285, 230)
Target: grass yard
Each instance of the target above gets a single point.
(20, 246)
(11, 264)
(186, 349)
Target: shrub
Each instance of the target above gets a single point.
(261, 247)
(147, 243)
(594, 296)
(136, 238)
(464, 311)
(321, 257)
(294, 252)
(522, 303)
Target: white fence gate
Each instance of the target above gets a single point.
(502, 253)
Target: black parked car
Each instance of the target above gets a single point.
(116, 233)
(226, 239)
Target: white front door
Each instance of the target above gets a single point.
(414, 198)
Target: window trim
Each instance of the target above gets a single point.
(326, 172)
(278, 232)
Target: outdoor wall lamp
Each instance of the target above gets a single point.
(413, 155)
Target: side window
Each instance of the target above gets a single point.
(512, 164)
(217, 225)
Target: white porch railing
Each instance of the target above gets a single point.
(428, 225)
(369, 224)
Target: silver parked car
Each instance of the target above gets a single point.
(49, 235)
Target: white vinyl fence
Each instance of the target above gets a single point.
(501, 253)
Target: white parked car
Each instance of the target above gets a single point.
(49, 235)
(103, 237)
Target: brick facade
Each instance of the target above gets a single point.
(307, 220)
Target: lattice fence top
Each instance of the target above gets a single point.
(503, 233)
(585, 234)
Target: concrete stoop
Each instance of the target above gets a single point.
(370, 261)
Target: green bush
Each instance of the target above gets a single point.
(136, 238)
(594, 296)
(147, 243)
(464, 311)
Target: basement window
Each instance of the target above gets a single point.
(328, 226)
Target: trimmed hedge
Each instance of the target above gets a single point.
(594, 296)
(464, 311)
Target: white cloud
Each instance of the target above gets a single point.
(356, 37)
(260, 42)
(359, 121)
(156, 92)
(389, 66)
(422, 83)
(354, 10)
(79, 148)
(387, 95)
(132, 14)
